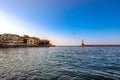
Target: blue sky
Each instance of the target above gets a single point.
(64, 22)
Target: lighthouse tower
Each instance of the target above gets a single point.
(82, 44)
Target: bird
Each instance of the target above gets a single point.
(73, 33)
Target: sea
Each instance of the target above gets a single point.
(60, 63)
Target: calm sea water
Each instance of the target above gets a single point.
(60, 63)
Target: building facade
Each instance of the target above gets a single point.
(9, 39)
(13, 39)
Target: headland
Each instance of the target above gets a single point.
(14, 41)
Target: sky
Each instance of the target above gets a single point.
(63, 22)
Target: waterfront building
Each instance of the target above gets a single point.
(25, 39)
(30, 41)
(36, 40)
(44, 42)
(13, 39)
(9, 38)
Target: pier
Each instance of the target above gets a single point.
(98, 45)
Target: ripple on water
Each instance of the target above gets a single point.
(64, 77)
(60, 63)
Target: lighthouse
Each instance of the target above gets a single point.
(82, 44)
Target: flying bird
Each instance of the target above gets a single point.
(73, 33)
